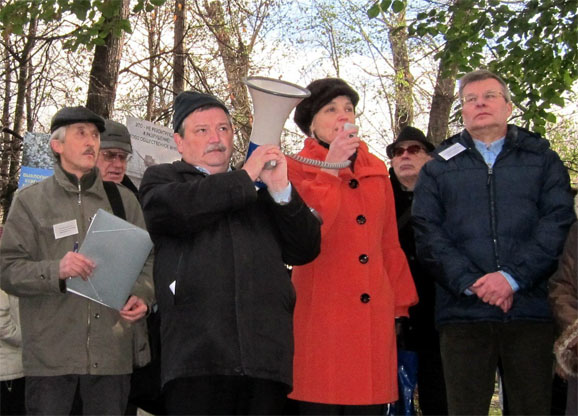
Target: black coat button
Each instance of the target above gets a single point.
(364, 258)
(97, 315)
(361, 219)
(365, 298)
(353, 183)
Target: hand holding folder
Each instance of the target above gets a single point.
(119, 250)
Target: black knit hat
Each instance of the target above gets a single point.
(322, 92)
(409, 133)
(188, 101)
(115, 136)
(71, 115)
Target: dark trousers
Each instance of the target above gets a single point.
(224, 395)
(470, 355)
(12, 397)
(430, 383)
(309, 408)
(54, 395)
(572, 401)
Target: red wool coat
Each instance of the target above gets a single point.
(348, 298)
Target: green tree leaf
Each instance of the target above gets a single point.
(374, 11)
(398, 6)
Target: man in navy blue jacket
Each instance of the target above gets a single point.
(491, 214)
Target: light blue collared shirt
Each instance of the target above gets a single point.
(490, 153)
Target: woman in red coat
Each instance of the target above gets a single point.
(348, 298)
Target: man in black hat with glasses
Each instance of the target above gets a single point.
(408, 154)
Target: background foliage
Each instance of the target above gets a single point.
(403, 57)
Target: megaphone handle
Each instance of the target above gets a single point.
(313, 162)
(321, 163)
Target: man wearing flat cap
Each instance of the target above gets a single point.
(115, 150)
(408, 154)
(70, 343)
(221, 246)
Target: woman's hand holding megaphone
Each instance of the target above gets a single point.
(275, 178)
(342, 147)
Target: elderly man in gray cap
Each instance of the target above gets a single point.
(70, 343)
(115, 150)
(112, 162)
(224, 293)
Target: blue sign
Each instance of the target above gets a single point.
(30, 175)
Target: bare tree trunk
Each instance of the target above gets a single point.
(105, 67)
(441, 104)
(28, 97)
(397, 34)
(7, 83)
(443, 93)
(235, 56)
(12, 149)
(23, 81)
(153, 46)
(333, 50)
(6, 138)
(179, 48)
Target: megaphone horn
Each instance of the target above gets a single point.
(273, 101)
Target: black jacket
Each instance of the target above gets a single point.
(420, 332)
(470, 220)
(224, 245)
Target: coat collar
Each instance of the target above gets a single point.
(366, 164)
(183, 167)
(71, 183)
(516, 137)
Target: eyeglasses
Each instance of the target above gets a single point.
(110, 156)
(414, 149)
(472, 99)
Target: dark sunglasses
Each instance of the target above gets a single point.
(109, 156)
(414, 149)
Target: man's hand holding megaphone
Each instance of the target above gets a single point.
(274, 177)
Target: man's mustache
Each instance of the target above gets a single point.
(218, 147)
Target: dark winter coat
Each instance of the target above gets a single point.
(420, 333)
(224, 246)
(471, 220)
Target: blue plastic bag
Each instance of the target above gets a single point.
(407, 380)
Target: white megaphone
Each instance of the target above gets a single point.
(273, 101)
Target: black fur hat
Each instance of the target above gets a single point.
(322, 92)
